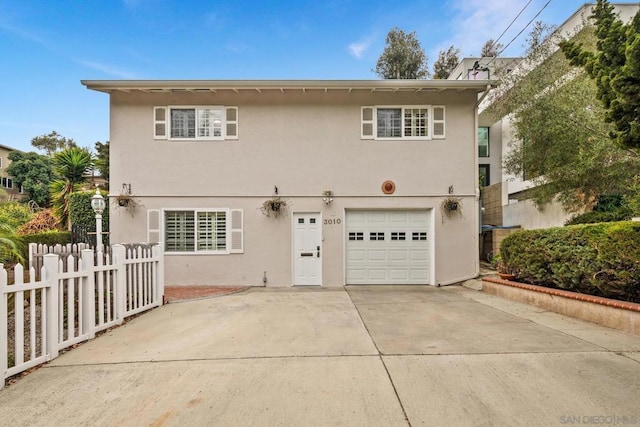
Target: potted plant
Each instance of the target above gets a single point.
(451, 206)
(274, 206)
(126, 200)
(504, 271)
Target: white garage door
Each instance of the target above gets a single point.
(387, 247)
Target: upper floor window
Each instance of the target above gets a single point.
(7, 183)
(483, 142)
(418, 122)
(197, 123)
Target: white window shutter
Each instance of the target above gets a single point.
(160, 123)
(367, 123)
(232, 122)
(237, 236)
(153, 226)
(438, 122)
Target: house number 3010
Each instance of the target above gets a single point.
(332, 221)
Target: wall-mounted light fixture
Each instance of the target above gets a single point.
(326, 197)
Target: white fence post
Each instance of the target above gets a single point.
(118, 253)
(33, 248)
(158, 251)
(4, 314)
(89, 294)
(50, 274)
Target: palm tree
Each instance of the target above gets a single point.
(10, 245)
(71, 167)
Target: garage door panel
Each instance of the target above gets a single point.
(419, 274)
(356, 255)
(393, 248)
(396, 275)
(399, 255)
(420, 255)
(377, 255)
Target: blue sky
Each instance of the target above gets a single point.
(48, 46)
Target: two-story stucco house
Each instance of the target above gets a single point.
(363, 166)
(11, 189)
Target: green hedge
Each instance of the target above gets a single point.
(596, 259)
(48, 238)
(15, 214)
(80, 211)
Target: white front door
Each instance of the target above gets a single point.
(307, 249)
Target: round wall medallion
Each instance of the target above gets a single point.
(388, 187)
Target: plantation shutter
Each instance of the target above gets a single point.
(153, 226)
(438, 122)
(366, 127)
(232, 122)
(159, 122)
(237, 237)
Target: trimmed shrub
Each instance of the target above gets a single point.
(80, 212)
(597, 259)
(15, 214)
(49, 238)
(620, 214)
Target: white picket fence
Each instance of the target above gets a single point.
(73, 297)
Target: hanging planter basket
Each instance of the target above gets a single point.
(274, 207)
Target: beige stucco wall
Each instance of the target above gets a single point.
(303, 143)
(526, 215)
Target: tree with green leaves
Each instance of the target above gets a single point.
(615, 68)
(403, 57)
(561, 142)
(447, 61)
(34, 172)
(52, 143)
(102, 159)
(71, 167)
(11, 245)
(490, 49)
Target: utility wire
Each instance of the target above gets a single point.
(520, 32)
(495, 43)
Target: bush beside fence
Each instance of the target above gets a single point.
(595, 259)
(73, 297)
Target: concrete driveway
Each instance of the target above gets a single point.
(360, 356)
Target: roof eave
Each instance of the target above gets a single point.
(108, 86)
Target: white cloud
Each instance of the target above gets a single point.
(357, 49)
(476, 21)
(107, 69)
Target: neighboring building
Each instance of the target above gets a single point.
(506, 202)
(364, 168)
(489, 148)
(12, 189)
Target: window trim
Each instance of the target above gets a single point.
(228, 126)
(487, 178)
(372, 124)
(196, 251)
(488, 142)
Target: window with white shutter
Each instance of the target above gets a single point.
(367, 123)
(203, 231)
(153, 226)
(160, 122)
(209, 123)
(237, 237)
(403, 122)
(438, 121)
(232, 122)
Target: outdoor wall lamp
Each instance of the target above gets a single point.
(327, 199)
(98, 204)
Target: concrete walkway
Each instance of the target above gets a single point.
(361, 356)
